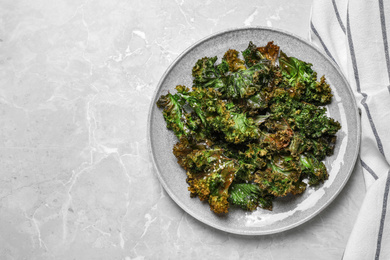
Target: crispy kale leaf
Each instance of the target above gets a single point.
(310, 120)
(281, 176)
(173, 113)
(234, 62)
(303, 81)
(253, 54)
(313, 169)
(209, 173)
(206, 74)
(249, 196)
(210, 114)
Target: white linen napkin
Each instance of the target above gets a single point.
(356, 35)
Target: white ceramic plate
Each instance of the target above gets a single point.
(290, 211)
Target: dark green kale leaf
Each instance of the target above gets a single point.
(253, 54)
(249, 196)
(313, 169)
(303, 81)
(174, 114)
(281, 176)
(208, 75)
(308, 119)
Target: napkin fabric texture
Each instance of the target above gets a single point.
(356, 35)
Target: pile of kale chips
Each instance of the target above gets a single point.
(251, 129)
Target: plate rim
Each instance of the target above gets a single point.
(185, 207)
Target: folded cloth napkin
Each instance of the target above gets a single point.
(356, 35)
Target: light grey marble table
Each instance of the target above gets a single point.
(76, 179)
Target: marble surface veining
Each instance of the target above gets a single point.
(76, 179)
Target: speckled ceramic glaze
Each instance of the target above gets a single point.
(290, 211)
